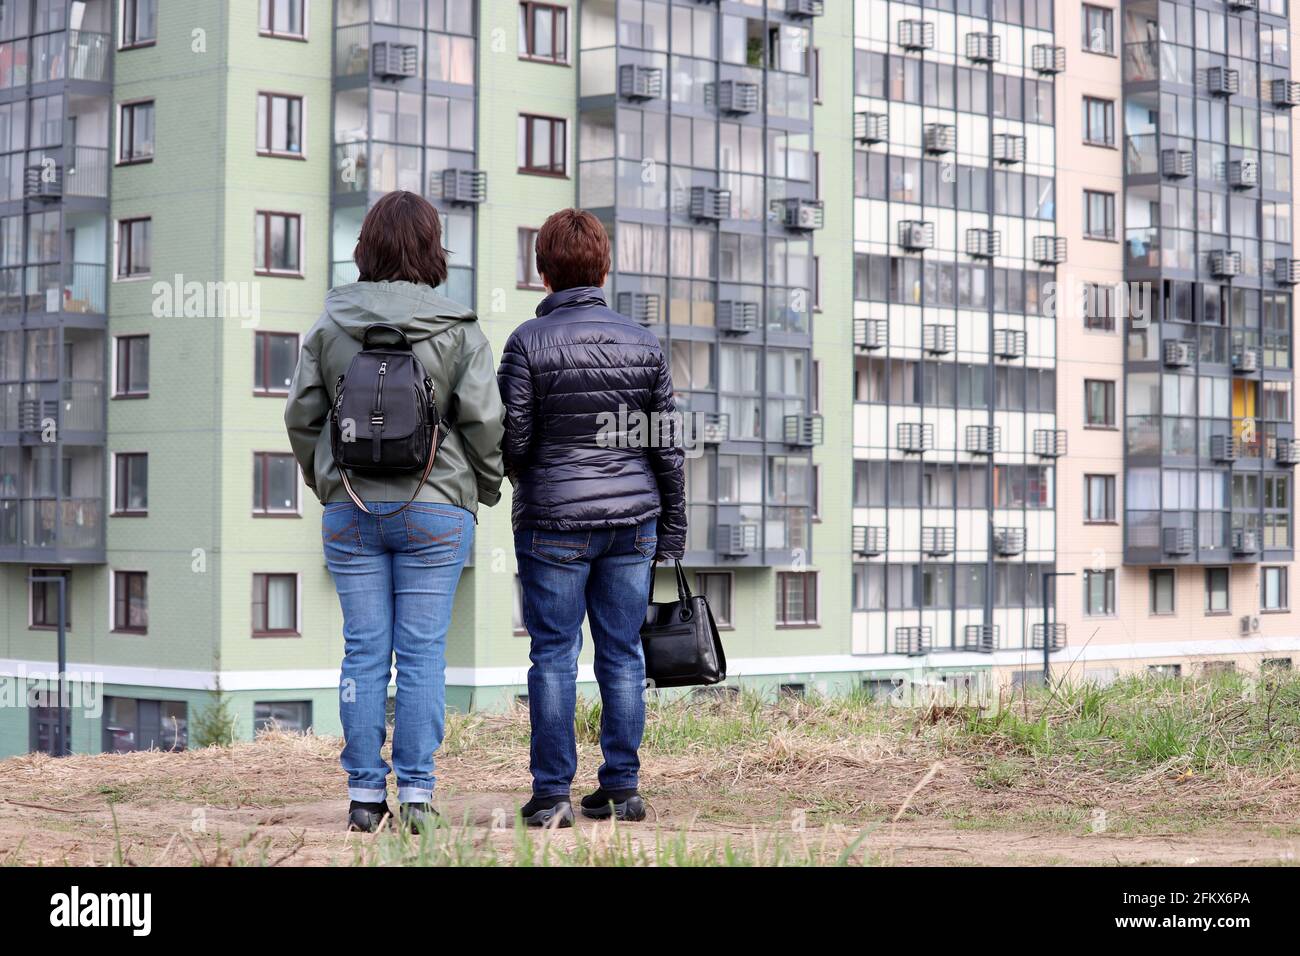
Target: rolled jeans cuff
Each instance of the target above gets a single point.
(367, 794)
(414, 794)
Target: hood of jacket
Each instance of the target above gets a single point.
(415, 309)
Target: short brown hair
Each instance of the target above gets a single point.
(572, 250)
(401, 241)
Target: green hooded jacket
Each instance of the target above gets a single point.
(445, 337)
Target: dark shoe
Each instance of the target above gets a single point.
(622, 804)
(419, 816)
(367, 817)
(540, 811)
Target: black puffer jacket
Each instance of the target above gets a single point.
(564, 377)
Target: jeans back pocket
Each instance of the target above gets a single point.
(562, 546)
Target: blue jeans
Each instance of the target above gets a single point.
(605, 575)
(396, 577)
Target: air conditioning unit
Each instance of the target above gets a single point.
(1050, 442)
(1285, 93)
(1243, 5)
(1176, 163)
(1245, 542)
(1249, 625)
(1243, 174)
(1222, 81)
(983, 439)
(1008, 343)
(1179, 541)
(1049, 250)
(736, 317)
(914, 437)
(1223, 448)
(870, 541)
(1286, 271)
(802, 431)
(1008, 542)
(938, 339)
(735, 96)
(1245, 361)
(939, 138)
(1051, 634)
(804, 8)
(1008, 148)
(394, 60)
(870, 334)
(34, 414)
(916, 234)
(983, 47)
(710, 203)
(915, 35)
(801, 215)
(43, 182)
(1047, 59)
(979, 638)
(463, 186)
(1178, 354)
(1286, 452)
(637, 82)
(641, 307)
(737, 540)
(936, 542)
(1225, 263)
(983, 243)
(912, 641)
(712, 428)
(871, 128)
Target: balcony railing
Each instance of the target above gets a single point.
(88, 55)
(81, 406)
(87, 173)
(77, 287)
(47, 523)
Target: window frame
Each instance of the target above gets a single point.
(1284, 573)
(1210, 610)
(121, 458)
(261, 462)
(1108, 124)
(1109, 483)
(724, 618)
(1109, 215)
(528, 9)
(261, 583)
(272, 33)
(261, 335)
(526, 267)
(122, 359)
(1109, 395)
(122, 20)
(1086, 40)
(123, 109)
(122, 249)
(33, 623)
(117, 581)
(262, 219)
(1109, 604)
(269, 151)
(1162, 573)
(782, 613)
(555, 122)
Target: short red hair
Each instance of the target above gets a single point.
(573, 250)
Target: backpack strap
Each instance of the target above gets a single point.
(428, 468)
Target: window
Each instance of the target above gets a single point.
(716, 588)
(1099, 498)
(130, 602)
(1165, 670)
(527, 276)
(1273, 584)
(1098, 215)
(135, 132)
(275, 605)
(542, 145)
(1098, 307)
(1099, 403)
(132, 379)
(1098, 121)
(1162, 590)
(796, 598)
(1098, 29)
(134, 248)
(139, 19)
(283, 18)
(45, 598)
(279, 125)
(543, 32)
(275, 483)
(1216, 590)
(1098, 593)
(130, 483)
(274, 361)
(278, 244)
(131, 724)
(43, 723)
(291, 715)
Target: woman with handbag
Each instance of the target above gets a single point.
(599, 494)
(396, 422)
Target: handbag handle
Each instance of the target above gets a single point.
(683, 586)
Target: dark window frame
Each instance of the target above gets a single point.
(122, 584)
(262, 463)
(262, 369)
(1108, 233)
(1108, 122)
(528, 11)
(36, 599)
(122, 462)
(1109, 26)
(123, 386)
(261, 590)
(560, 138)
(1108, 592)
(1108, 394)
(526, 260)
(723, 617)
(1210, 573)
(129, 36)
(783, 580)
(126, 130)
(1285, 589)
(125, 265)
(1162, 574)
(262, 220)
(266, 12)
(268, 130)
(1109, 485)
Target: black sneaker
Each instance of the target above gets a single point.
(540, 811)
(419, 816)
(367, 817)
(622, 804)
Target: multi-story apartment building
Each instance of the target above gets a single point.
(859, 229)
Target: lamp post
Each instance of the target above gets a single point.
(60, 738)
(1047, 640)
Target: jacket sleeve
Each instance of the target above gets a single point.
(516, 381)
(667, 460)
(306, 411)
(478, 418)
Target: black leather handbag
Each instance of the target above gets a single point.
(680, 640)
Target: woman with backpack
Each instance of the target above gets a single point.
(396, 421)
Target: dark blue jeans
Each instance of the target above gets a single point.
(603, 575)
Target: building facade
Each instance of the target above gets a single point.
(895, 282)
